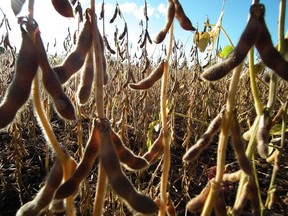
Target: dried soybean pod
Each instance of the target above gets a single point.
(75, 60)
(149, 81)
(169, 19)
(241, 202)
(220, 206)
(247, 40)
(194, 151)
(238, 146)
(122, 35)
(262, 135)
(115, 14)
(108, 46)
(170, 208)
(156, 149)
(46, 193)
(52, 84)
(19, 90)
(63, 7)
(119, 182)
(182, 18)
(70, 187)
(253, 196)
(269, 54)
(232, 177)
(127, 157)
(87, 77)
(196, 204)
(17, 6)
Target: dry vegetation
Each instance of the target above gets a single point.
(108, 133)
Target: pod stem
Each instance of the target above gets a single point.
(257, 102)
(222, 144)
(166, 139)
(65, 160)
(101, 183)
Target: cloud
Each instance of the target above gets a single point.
(162, 8)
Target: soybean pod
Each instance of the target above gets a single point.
(119, 182)
(149, 81)
(269, 54)
(184, 21)
(247, 40)
(87, 77)
(45, 195)
(70, 187)
(75, 60)
(127, 157)
(52, 84)
(19, 90)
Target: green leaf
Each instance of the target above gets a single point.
(276, 129)
(2, 50)
(225, 51)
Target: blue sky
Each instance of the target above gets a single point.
(54, 26)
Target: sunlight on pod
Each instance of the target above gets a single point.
(119, 182)
(182, 18)
(45, 195)
(156, 149)
(75, 59)
(241, 202)
(57, 206)
(51, 82)
(262, 135)
(149, 81)
(268, 53)
(169, 19)
(86, 80)
(220, 206)
(126, 156)
(238, 146)
(232, 177)
(17, 6)
(196, 204)
(63, 7)
(70, 187)
(247, 39)
(19, 90)
(195, 150)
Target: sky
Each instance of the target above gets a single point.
(52, 25)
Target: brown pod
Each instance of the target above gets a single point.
(63, 7)
(269, 54)
(170, 208)
(52, 84)
(156, 149)
(262, 135)
(253, 196)
(127, 157)
(17, 6)
(122, 35)
(75, 60)
(119, 182)
(247, 40)
(19, 90)
(45, 195)
(115, 14)
(196, 204)
(194, 151)
(220, 206)
(169, 19)
(86, 80)
(182, 18)
(149, 81)
(238, 146)
(70, 187)
(241, 202)
(232, 177)
(108, 46)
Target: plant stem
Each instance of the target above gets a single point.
(222, 144)
(257, 102)
(166, 137)
(98, 65)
